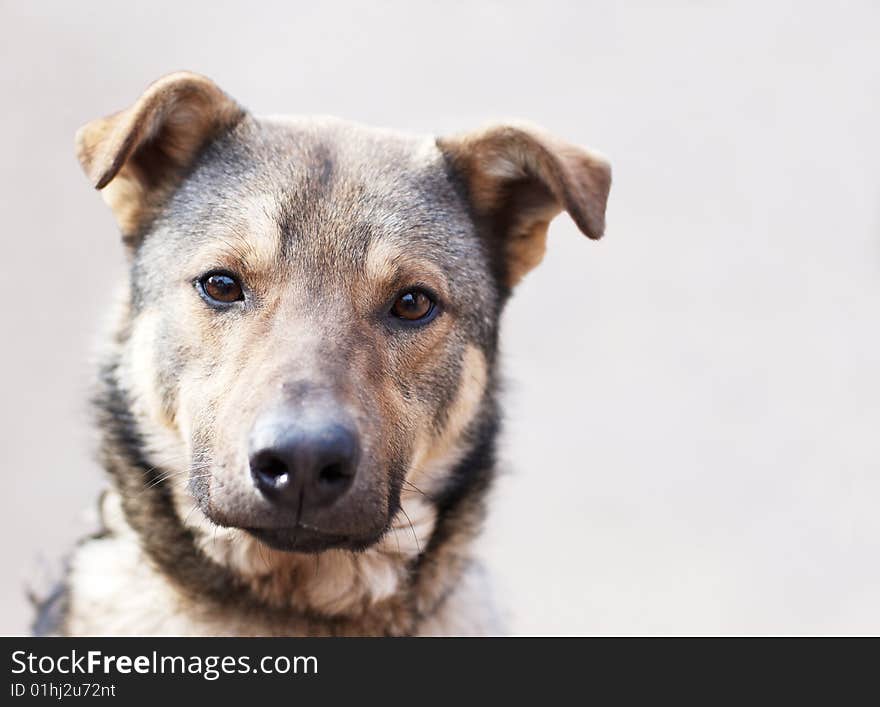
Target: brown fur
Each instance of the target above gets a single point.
(324, 222)
(144, 150)
(523, 177)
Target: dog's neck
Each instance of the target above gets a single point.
(389, 588)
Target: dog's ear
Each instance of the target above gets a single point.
(519, 178)
(138, 155)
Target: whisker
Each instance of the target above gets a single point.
(415, 488)
(263, 557)
(397, 540)
(411, 527)
(186, 517)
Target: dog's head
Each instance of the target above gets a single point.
(313, 304)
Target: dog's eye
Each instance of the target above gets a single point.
(221, 288)
(413, 306)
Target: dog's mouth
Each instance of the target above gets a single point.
(300, 538)
(288, 523)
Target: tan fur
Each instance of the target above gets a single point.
(324, 224)
(120, 592)
(549, 174)
(435, 453)
(187, 109)
(526, 250)
(339, 583)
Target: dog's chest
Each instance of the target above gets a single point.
(115, 590)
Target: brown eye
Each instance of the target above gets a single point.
(221, 288)
(413, 306)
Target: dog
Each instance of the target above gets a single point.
(298, 403)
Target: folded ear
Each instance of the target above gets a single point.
(519, 178)
(138, 155)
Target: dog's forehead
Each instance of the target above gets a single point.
(322, 186)
(331, 147)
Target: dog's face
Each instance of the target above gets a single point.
(314, 304)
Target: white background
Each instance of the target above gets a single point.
(692, 439)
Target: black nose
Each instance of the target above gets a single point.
(303, 461)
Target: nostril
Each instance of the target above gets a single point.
(334, 475)
(269, 470)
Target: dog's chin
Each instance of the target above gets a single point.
(308, 540)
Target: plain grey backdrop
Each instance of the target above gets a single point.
(693, 402)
